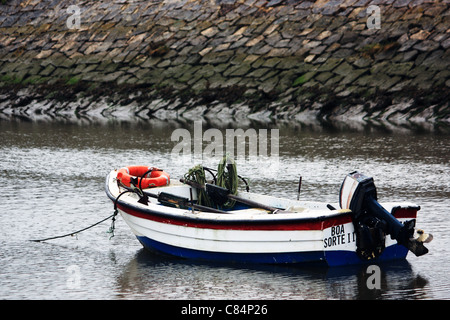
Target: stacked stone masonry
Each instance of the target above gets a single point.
(276, 57)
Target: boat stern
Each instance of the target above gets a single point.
(373, 222)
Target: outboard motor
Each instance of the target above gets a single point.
(372, 222)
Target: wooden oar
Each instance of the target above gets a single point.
(171, 199)
(221, 195)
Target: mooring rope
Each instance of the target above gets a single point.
(74, 233)
(111, 229)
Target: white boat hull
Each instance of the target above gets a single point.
(312, 234)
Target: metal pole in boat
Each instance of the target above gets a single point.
(299, 187)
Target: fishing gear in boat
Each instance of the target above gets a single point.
(221, 195)
(131, 183)
(135, 185)
(226, 177)
(210, 170)
(197, 174)
(224, 192)
(176, 201)
(228, 180)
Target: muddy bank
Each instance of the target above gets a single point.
(423, 110)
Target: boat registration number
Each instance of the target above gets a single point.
(339, 235)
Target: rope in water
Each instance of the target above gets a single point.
(111, 229)
(74, 233)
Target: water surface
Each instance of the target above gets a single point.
(52, 182)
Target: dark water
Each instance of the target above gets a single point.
(52, 183)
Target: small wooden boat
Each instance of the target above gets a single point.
(259, 228)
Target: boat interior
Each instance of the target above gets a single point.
(184, 196)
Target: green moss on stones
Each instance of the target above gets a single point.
(304, 78)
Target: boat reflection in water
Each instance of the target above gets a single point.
(146, 276)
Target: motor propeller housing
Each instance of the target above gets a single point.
(358, 193)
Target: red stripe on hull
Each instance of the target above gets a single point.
(410, 213)
(306, 224)
(294, 224)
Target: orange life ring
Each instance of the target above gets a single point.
(155, 178)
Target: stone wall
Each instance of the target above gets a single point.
(286, 59)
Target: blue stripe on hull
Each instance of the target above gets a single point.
(341, 258)
(332, 258)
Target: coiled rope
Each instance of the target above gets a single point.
(227, 177)
(197, 174)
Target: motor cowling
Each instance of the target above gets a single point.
(372, 221)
